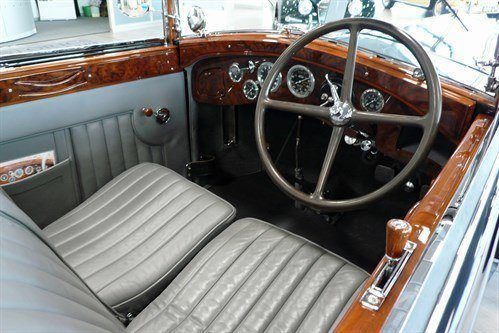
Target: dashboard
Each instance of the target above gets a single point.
(229, 81)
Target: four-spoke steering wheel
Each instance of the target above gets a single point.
(343, 113)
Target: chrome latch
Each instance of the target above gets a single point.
(375, 295)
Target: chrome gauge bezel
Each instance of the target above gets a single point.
(289, 77)
(255, 87)
(278, 81)
(379, 96)
(235, 65)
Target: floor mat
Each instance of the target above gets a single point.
(357, 236)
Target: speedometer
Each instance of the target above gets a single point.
(372, 100)
(250, 90)
(300, 81)
(262, 73)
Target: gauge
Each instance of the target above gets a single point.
(250, 89)
(262, 73)
(371, 100)
(300, 80)
(29, 170)
(235, 72)
(305, 7)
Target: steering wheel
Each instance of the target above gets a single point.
(343, 113)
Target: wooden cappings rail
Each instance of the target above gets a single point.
(424, 217)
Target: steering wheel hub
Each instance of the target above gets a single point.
(340, 113)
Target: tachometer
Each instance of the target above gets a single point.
(372, 100)
(250, 89)
(300, 81)
(262, 73)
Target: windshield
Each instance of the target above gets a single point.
(455, 33)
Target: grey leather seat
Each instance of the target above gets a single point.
(251, 277)
(132, 237)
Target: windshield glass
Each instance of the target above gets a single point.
(455, 33)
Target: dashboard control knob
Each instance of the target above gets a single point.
(162, 115)
(4, 177)
(397, 235)
(147, 112)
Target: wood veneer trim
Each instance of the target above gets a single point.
(424, 217)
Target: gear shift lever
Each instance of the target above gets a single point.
(397, 235)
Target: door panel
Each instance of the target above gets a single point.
(105, 148)
(91, 132)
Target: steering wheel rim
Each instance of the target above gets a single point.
(343, 113)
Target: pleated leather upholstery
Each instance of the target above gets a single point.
(38, 293)
(134, 235)
(105, 148)
(254, 277)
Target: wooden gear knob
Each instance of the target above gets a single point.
(397, 235)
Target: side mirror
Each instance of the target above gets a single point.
(196, 20)
(135, 8)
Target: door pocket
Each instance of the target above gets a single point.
(47, 195)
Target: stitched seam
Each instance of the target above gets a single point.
(122, 155)
(140, 243)
(270, 282)
(292, 291)
(64, 219)
(70, 225)
(162, 245)
(107, 149)
(347, 303)
(319, 294)
(264, 258)
(220, 276)
(179, 262)
(314, 244)
(103, 191)
(126, 235)
(120, 223)
(91, 156)
(201, 265)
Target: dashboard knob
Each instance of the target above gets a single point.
(163, 115)
(397, 235)
(147, 112)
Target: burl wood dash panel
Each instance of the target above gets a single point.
(29, 83)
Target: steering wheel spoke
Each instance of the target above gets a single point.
(332, 149)
(349, 73)
(302, 109)
(386, 118)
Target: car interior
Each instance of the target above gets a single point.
(230, 183)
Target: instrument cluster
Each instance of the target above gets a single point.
(300, 81)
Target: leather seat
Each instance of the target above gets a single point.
(251, 277)
(255, 277)
(133, 236)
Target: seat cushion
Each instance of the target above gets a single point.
(251, 278)
(133, 236)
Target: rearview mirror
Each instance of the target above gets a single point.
(135, 8)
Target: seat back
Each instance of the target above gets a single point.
(39, 292)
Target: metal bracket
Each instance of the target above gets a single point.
(375, 295)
